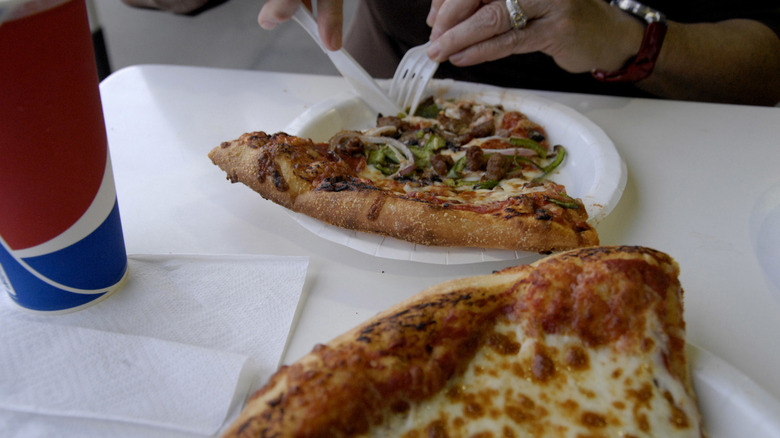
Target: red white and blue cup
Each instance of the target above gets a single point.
(61, 242)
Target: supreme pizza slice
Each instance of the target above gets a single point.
(466, 175)
(585, 343)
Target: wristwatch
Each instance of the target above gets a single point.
(641, 65)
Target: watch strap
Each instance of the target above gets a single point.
(642, 64)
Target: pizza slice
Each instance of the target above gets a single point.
(458, 174)
(585, 343)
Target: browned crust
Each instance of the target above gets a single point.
(362, 207)
(408, 352)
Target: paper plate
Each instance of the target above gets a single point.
(593, 170)
(731, 404)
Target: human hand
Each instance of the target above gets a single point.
(580, 35)
(330, 17)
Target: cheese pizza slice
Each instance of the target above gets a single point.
(585, 343)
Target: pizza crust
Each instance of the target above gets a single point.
(406, 370)
(365, 208)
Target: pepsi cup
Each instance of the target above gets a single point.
(61, 244)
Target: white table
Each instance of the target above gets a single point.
(702, 181)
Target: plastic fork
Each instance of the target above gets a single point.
(411, 77)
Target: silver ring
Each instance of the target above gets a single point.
(516, 14)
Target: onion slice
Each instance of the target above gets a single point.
(401, 150)
(393, 143)
(407, 161)
(517, 152)
(380, 131)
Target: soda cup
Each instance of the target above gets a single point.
(61, 243)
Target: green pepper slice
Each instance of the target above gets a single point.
(384, 159)
(560, 153)
(567, 202)
(527, 143)
(457, 168)
(428, 111)
(434, 143)
(486, 185)
(422, 157)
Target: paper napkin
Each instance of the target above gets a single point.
(178, 347)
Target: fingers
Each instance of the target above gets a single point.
(444, 15)
(476, 38)
(498, 47)
(431, 19)
(275, 12)
(579, 35)
(330, 18)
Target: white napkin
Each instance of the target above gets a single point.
(180, 346)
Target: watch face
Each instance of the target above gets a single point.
(639, 10)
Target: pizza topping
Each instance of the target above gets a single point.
(536, 135)
(267, 168)
(462, 158)
(437, 160)
(560, 153)
(496, 168)
(347, 144)
(428, 108)
(475, 158)
(454, 157)
(510, 151)
(379, 149)
(442, 164)
(566, 202)
(529, 143)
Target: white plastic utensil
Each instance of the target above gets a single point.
(363, 84)
(412, 76)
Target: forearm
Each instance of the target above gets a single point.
(735, 61)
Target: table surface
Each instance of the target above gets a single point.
(703, 186)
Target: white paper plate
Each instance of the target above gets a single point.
(593, 170)
(731, 404)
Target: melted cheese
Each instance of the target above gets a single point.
(506, 189)
(522, 386)
(463, 193)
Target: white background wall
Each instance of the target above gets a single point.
(226, 36)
